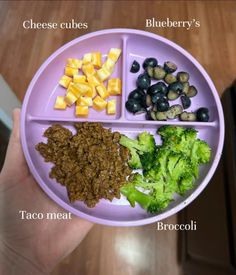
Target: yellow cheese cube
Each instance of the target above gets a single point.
(99, 103)
(114, 54)
(79, 78)
(74, 63)
(84, 101)
(91, 92)
(73, 88)
(87, 58)
(111, 107)
(81, 110)
(102, 91)
(109, 65)
(71, 71)
(97, 59)
(60, 103)
(114, 86)
(93, 79)
(85, 89)
(70, 98)
(103, 74)
(65, 81)
(94, 92)
(88, 69)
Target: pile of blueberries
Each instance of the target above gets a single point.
(154, 99)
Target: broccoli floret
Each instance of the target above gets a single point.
(129, 142)
(170, 132)
(132, 144)
(201, 152)
(134, 161)
(147, 159)
(167, 169)
(178, 164)
(186, 183)
(141, 150)
(146, 201)
(146, 142)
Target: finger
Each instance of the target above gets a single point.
(15, 164)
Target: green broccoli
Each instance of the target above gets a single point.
(145, 201)
(141, 150)
(167, 169)
(134, 162)
(170, 132)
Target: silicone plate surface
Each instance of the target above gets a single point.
(38, 114)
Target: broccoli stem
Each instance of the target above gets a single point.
(133, 195)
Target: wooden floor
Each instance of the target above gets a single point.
(107, 250)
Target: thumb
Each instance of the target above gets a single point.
(15, 164)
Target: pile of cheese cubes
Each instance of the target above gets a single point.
(88, 89)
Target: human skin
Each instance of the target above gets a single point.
(31, 246)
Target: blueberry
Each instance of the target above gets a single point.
(159, 87)
(183, 77)
(162, 105)
(185, 116)
(170, 67)
(186, 102)
(137, 94)
(151, 61)
(150, 71)
(176, 87)
(158, 96)
(172, 95)
(143, 81)
(133, 106)
(134, 67)
(158, 73)
(192, 91)
(203, 114)
(170, 78)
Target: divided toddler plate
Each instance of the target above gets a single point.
(38, 114)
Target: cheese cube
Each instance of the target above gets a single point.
(114, 86)
(84, 88)
(93, 79)
(74, 63)
(109, 65)
(81, 110)
(94, 93)
(114, 54)
(103, 74)
(70, 71)
(111, 107)
(88, 69)
(73, 88)
(91, 92)
(99, 103)
(84, 101)
(102, 91)
(60, 103)
(79, 78)
(65, 81)
(87, 58)
(97, 59)
(70, 98)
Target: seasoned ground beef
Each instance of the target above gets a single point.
(91, 164)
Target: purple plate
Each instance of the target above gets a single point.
(38, 114)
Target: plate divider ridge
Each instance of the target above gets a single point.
(118, 121)
(124, 78)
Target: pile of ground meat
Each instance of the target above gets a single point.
(91, 164)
